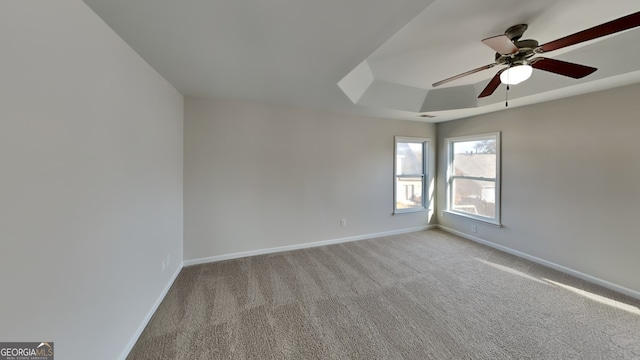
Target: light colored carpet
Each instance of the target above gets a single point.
(425, 295)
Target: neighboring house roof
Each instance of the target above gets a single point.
(480, 165)
(412, 163)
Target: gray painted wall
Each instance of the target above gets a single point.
(570, 182)
(259, 177)
(90, 184)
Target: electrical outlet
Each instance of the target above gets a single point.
(164, 265)
(474, 228)
(343, 222)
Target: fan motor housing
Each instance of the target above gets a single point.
(515, 32)
(525, 50)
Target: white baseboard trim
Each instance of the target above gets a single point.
(564, 269)
(147, 318)
(278, 249)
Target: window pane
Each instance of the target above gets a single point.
(409, 193)
(474, 196)
(475, 158)
(486, 146)
(409, 158)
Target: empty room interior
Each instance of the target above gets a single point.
(415, 179)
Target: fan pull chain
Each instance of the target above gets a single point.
(506, 97)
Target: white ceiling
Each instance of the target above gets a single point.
(386, 54)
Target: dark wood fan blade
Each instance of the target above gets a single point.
(492, 86)
(559, 67)
(611, 27)
(501, 44)
(463, 75)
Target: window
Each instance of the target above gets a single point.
(473, 177)
(410, 174)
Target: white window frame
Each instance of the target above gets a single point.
(450, 177)
(424, 174)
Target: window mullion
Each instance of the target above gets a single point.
(473, 178)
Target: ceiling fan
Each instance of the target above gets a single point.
(518, 54)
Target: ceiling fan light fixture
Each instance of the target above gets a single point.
(516, 74)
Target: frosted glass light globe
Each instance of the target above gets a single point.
(516, 74)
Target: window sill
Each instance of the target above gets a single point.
(412, 211)
(489, 222)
